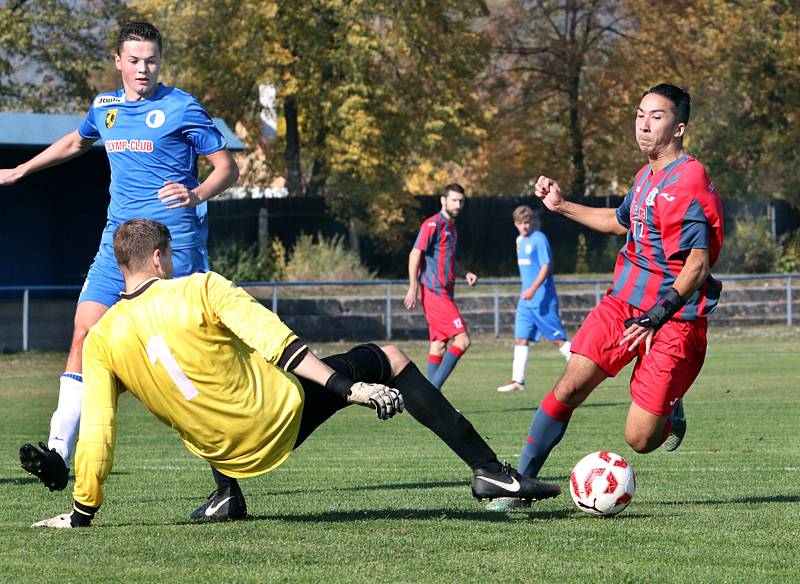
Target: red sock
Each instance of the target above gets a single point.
(456, 351)
(435, 359)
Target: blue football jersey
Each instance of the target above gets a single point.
(532, 253)
(147, 142)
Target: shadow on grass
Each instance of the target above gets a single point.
(23, 480)
(30, 479)
(737, 500)
(404, 514)
(379, 487)
(532, 409)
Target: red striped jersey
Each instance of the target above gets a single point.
(672, 211)
(438, 241)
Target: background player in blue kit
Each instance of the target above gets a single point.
(537, 309)
(152, 135)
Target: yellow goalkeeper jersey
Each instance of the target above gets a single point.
(201, 354)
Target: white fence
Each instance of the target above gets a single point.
(599, 285)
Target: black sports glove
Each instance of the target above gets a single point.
(661, 311)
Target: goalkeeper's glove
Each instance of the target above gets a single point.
(386, 401)
(661, 311)
(81, 516)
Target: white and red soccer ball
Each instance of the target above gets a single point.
(602, 483)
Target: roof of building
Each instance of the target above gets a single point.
(40, 130)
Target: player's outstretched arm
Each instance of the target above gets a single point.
(386, 401)
(600, 219)
(61, 150)
(224, 175)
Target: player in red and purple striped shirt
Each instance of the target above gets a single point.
(655, 313)
(433, 263)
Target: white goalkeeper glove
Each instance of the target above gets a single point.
(387, 401)
(62, 521)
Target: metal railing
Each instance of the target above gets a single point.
(599, 285)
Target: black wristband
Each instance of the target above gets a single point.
(339, 384)
(82, 515)
(660, 312)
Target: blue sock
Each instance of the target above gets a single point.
(548, 427)
(433, 365)
(449, 362)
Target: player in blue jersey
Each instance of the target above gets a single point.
(537, 309)
(153, 135)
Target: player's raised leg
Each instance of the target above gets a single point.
(677, 428)
(645, 431)
(659, 383)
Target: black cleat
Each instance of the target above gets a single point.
(510, 483)
(228, 505)
(46, 464)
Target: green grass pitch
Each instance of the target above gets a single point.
(370, 501)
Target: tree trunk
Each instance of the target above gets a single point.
(319, 167)
(294, 176)
(353, 237)
(576, 135)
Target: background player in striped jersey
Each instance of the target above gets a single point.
(238, 386)
(537, 309)
(656, 311)
(433, 262)
(153, 135)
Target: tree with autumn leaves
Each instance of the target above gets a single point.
(379, 100)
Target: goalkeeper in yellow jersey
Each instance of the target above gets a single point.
(241, 390)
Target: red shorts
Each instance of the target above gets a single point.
(660, 378)
(444, 320)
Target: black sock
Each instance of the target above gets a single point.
(224, 482)
(431, 409)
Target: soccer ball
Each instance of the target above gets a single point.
(602, 483)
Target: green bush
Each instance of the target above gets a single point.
(581, 256)
(320, 259)
(789, 261)
(750, 249)
(242, 263)
(603, 258)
